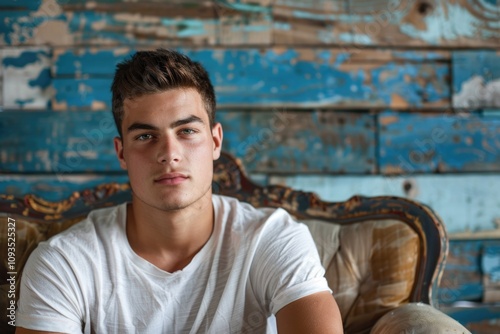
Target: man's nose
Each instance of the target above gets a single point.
(169, 150)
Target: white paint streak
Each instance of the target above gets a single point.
(16, 81)
(475, 92)
(450, 23)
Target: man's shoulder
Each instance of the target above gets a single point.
(98, 224)
(248, 217)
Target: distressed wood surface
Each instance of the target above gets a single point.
(476, 79)
(53, 187)
(478, 318)
(26, 79)
(450, 142)
(490, 266)
(59, 143)
(274, 77)
(358, 24)
(68, 22)
(462, 278)
(301, 141)
(467, 203)
(76, 142)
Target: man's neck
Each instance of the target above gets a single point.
(169, 239)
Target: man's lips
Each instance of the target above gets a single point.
(171, 178)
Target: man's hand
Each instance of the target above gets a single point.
(315, 314)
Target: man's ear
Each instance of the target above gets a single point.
(119, 152)
(217, 138)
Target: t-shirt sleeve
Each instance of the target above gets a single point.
(287, 265)
(50, 298)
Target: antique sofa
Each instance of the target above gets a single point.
(383, 255)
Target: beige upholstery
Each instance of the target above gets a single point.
(372, 272)
(417, 318)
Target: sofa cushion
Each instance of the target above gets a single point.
(370, 267)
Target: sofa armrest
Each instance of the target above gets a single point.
(417, 318)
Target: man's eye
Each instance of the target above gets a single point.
(144, 137)
(188, 131)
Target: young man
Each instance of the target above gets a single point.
(177, 259)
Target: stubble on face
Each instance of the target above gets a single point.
(174, 124)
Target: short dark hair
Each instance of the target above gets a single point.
(149, 72)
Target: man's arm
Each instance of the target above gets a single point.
(316, 313)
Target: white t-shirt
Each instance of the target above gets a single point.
(88, 279)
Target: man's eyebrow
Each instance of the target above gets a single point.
(144, 126)
(141, 126)
(186, 120)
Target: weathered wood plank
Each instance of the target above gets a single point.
(462, 279)
(310, 22)
(468, 204)
(439, 23)
(275, 77)
(26, 78)
(299, 142)
(243, 22)
(120, 22)
(387, 23)
(458, 142)
(76, 142)
(52, 187)
(479, 319)
(476, 79)
(490, 266)
(60, 143)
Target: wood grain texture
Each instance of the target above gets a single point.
(274, 77)
(300, 141)
(188, 22)
(358, 24)
(58, 143)
(77, 142)
(476, 79)
(462, 279)
(454, 142)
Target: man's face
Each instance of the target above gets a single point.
(168, 149)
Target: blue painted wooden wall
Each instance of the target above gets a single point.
(339, 97)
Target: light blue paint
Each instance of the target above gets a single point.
(244, 7)
(490, 262)
(271, 78)
(252, 28)
(361, 39)
(346, 37)
(25, 58)
(467, 64)
(282, 26)
(43, 80)
(451, 23)
(465, 202)
(91, 63)
(347, 18)
(451, 142)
